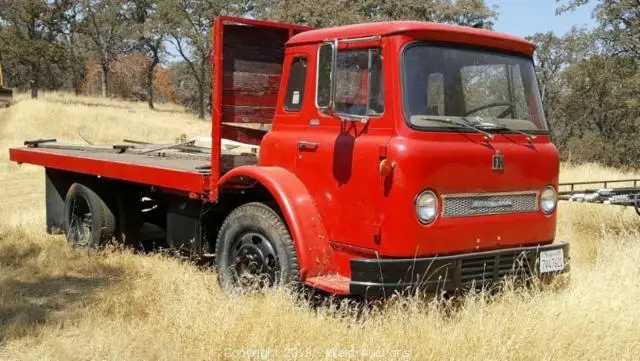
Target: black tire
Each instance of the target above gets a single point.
(255, 230)
(88, 220)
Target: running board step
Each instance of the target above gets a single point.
(335, 283)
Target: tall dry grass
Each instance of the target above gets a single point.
(63, 304)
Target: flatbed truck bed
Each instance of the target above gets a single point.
(150, 164)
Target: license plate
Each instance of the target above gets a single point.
(551, 261)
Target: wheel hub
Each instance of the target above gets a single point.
(81, 224)
(254, 259)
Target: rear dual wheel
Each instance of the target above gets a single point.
(88, 220)
(255, 250)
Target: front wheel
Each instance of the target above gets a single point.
(254, 249)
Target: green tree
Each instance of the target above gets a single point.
(149, 33)
(28, 39)
(550, 58)
(619, 23)
(554, 55)
(600, 104)
(67, 16)
(188, 24)
(322, 13)
(105, 24)
(591, 84)
(590, 96)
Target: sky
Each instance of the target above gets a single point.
(527, 17)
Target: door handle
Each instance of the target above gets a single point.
(304, 146)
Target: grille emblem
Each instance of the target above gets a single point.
(497, 162)
(491, 203)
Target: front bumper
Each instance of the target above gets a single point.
(380, 277)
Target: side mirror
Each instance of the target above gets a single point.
(326, 79)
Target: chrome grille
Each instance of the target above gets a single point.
(464, 205)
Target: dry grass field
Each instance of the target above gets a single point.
(62, 304)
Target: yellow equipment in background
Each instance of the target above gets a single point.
(6, 95)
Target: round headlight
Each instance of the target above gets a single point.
(427, 206)
(548, 200)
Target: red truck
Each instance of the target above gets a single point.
(400, 156)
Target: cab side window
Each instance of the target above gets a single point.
(359, 86)
(295, 85)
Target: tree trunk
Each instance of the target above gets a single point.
(72, 65)
(150, 90)
(77, 88)
(34, 89)
(150, 70)
(75, 78)
(35, 80)
(201, 91)
(201, 101)
(104, 78)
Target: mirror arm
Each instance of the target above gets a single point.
(332, 93)
(352, 118)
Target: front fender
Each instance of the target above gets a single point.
(315, 254)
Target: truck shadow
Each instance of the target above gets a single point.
(17, 256)
(28, 306)
(32, 297)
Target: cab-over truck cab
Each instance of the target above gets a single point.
(425, 150)
(401, 156)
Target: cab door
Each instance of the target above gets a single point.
(339, 151)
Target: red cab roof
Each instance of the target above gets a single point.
(420, 30)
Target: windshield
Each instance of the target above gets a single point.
(482, 88)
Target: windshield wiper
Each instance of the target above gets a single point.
(489, 125)
(464, 123)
